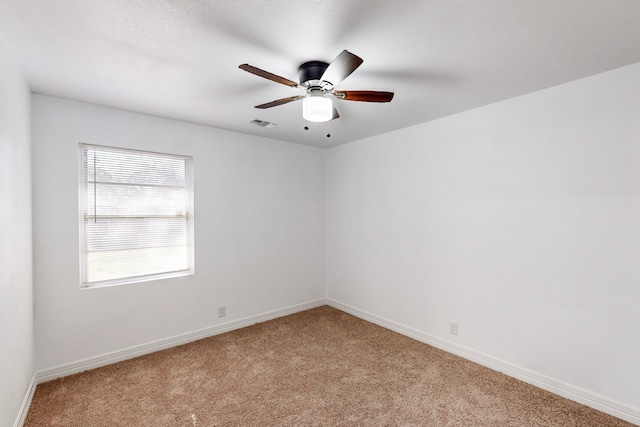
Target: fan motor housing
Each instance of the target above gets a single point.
(312, 70)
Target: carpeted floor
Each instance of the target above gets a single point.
(321, 367)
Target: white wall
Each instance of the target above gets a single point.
(16, 289)
(259, 225)
(519, 220)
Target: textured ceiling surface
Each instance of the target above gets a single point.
(179, 59)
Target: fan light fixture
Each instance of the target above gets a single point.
(318, 80)
(316, 107)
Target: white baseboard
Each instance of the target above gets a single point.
(26, 403)
(140, 350)
(576, 394)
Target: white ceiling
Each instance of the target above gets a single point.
(179, 59)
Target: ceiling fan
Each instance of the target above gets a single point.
(318, 80)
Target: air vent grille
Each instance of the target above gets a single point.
(263, 123)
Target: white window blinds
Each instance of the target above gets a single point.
(136, 214)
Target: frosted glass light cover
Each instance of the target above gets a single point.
(317, 108)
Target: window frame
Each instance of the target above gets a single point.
(189, 187)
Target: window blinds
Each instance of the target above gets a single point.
(137, 220)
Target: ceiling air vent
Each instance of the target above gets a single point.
(263, 123)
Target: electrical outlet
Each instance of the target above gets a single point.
(453, 328)
(222, 311)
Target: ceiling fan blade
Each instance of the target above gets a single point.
(364, 95)
(279, 102)
(341, 67)
(267, 75)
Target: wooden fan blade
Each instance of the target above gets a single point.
(364, 95)
(267, 75)
(279, 102)
(341, 67)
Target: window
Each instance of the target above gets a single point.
(136, 214)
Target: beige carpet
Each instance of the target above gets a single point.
(321, 367)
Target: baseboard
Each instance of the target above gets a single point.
(26, 403)
(140, 350)
(568, 391)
